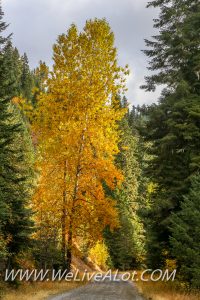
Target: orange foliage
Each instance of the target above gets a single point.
(76, 121)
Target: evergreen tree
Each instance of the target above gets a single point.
(39, 76)
(16, 158)
(173, 126)
(138, 118)
(3, 208)
(11, 71)
(27, 82)
(3, 26)
(175, 53)
(17, 69)
(185, 238)
(16, 177)
(126, 244)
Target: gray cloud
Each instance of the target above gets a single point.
(37, 23)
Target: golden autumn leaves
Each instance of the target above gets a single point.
(76, 124)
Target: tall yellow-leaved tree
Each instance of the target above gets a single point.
(76, 124)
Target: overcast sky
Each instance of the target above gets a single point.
(37, 23)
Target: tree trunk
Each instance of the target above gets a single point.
(76, 186)
(69, 247)
(64, 218)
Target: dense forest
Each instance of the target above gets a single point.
(81, 171)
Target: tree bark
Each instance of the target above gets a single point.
(64, 218)
(74, 196)
(69, 246)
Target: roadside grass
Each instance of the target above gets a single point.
(165, 291)
(37, 290)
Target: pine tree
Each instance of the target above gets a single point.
(39, 76)
(11, 71)
(173, 127)
(16, 177)
(3, 207)
(185, 240)
(126, 244)
(16, 159)
(3, 27)
(27, 80)
(174, 53)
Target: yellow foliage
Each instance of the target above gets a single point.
(170, 264)
(76, 124)
(151, 188)
(99, 255)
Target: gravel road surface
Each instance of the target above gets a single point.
(104, 290)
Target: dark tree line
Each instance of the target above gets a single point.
(173, 130)
(16, 152)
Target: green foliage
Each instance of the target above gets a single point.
(174, 53)
(185, 239)
(16, 177)
(172, 126)
(175, 156)
(16, 157)
(158, 202)
(126, 244)
(16, 77)
(27, 78)
(3, 248)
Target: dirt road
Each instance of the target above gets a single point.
(106, 290)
